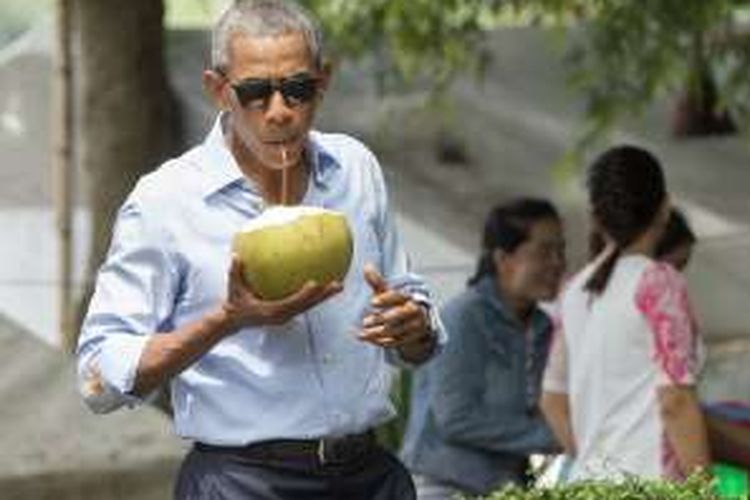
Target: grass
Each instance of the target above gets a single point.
(695, 488)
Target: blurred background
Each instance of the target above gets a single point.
(465, 102)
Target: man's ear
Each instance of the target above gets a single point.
(214, 83)
(325, 75)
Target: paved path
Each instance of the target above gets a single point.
(54, 448)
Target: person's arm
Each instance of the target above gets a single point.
(685, 427)
(663, 300)
(134, 295)
(465, 413)
(556, 410)
(125, 350)
(165, 356)
(555, 404)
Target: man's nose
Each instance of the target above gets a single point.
(277, 110)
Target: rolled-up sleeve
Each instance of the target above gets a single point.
(133, 299)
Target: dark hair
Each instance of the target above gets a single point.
(507, 226)
(676, 233)
(626, 189)
(596, 243)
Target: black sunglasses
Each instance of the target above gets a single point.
(256, 92)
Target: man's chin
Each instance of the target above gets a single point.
(281, 156)
(279, 163)
(272, 161)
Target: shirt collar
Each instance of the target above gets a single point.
(217, 161)
(488, 290)
(223, 171)
(323, 163)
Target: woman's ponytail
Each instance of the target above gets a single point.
(598, 281)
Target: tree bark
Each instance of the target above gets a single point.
(63, 133)
(127, 109)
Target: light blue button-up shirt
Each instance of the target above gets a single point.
(167, 266)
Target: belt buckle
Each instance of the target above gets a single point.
(334, 450)
(340, 450)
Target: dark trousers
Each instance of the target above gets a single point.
(226, 475)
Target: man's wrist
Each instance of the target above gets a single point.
(422, 347)
(221, 322)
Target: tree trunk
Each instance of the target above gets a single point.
(63, 161)
(697, 111)
(126, 105)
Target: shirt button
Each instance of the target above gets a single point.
(327, 359)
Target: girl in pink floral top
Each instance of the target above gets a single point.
(620, 384)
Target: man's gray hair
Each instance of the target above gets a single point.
(264, 18)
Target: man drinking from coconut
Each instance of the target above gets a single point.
(279, 396)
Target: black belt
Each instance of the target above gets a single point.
(327, 451)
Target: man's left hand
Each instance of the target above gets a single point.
(398, 321)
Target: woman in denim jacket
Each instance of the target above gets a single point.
(474, 418)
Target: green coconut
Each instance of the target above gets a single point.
(285, 247)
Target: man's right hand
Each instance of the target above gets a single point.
(167, 355)
(243, 307)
